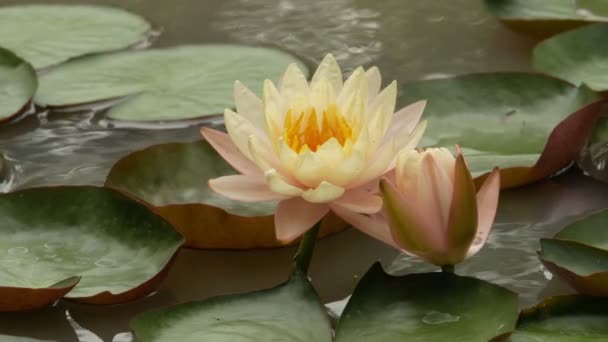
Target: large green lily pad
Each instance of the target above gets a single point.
(46, 35)
(579, 56)
(18, 84)
(174, 179)
(543, 18)
(426, 307)
(117, 245)
(289, 312)
(579, 254)
(165, 84)
(564, 319)
(508, 120)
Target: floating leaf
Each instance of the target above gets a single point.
(45, 35)
(174, 177)
(579, 254)
(289, 312)
(29, 298)
(7, 338)
(579, 56)
(18, 84)
(426, 307)
(564, 319)
(165, 84)
(507, 120)
(543, 18)
(120, 248)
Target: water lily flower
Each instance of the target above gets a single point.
(315, 146)
(431, 209)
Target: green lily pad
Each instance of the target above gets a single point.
(46, 35)
(120, 248)
(174, 179)
(579, 254)
(289, 312)
(579, 56)
(507, 120)
(18, 84)
(165, 84)
(426, 307)
(564, 319)
(543, 18)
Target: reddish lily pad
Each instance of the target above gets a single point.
(173, 179)
(579, 254)
(18, 84)
(542, 18)
(23, 299)
(426, 307)
(119, 248)
(508, 120)
(564, 319)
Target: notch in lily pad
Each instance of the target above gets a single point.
(564, 319)
(47, 35)
(541, 18)
(118, 248)
(579, 254)
(289, 312)
(579, 56)
(18, 84)
(436, 306)
(172, 84)
(529, 125)
(174, 177)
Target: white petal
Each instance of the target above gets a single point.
(405, 120)
(352, 84)
(331, 152)
(249, 105)
(279, 185)
(310, 169)
(239, 130)
(321, 95)
(274, 111)
(293, 83)
(328, 70)
(374, 82)
(377, 166)
(324, 193)
(386, 99)
(410, 142)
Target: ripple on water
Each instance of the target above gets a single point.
(437, 317)
(18, 250)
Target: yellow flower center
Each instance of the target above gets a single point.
(304, 129)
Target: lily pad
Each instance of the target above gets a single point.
(46, 35)
(18, 84)
(508, 120)
(426, 307)
(579, 56)
(544, 18)
(9, 338)
(564, 319)
(120, 248)
(23, 298)
(165, 84)
(579, 254)
(289, 312)
(174, 179)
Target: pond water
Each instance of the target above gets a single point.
(407, 39)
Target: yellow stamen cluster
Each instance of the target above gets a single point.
(303, 130)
